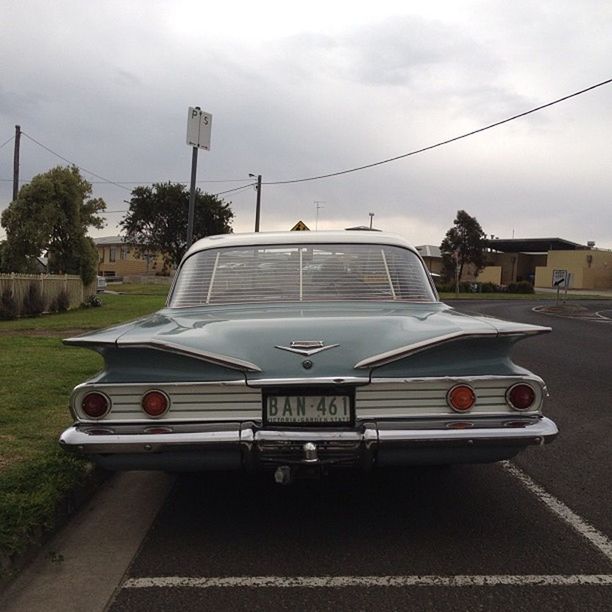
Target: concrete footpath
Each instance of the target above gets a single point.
(82, 566)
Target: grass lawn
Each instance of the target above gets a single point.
(140, 288)
(37, 374)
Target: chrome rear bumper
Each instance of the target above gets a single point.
(246, 445)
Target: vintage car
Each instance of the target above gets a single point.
(301, 351)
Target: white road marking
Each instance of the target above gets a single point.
(318, 582)
(585, 529)
(603, 317)
(594, 316)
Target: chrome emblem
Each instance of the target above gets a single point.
(306, 347)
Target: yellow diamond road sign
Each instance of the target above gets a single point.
(300, 226)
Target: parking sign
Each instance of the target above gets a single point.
(199, 126)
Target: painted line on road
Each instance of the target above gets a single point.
(318, 582)
(585, 529)
(603, 317)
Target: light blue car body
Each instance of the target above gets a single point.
(397, 360)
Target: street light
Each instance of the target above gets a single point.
(371, 217)
(258, 205)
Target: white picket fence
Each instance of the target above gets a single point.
(50, 287)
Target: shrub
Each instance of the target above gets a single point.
(33, 301)
(489, 288)
(8, 305)
(464, 287)
(520, 287)
(61, 302)
(93, 301)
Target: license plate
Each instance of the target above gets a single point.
(305, 409)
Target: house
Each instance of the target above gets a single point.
(116, 258)
(542, 260)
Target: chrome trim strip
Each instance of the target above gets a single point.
(75, 438)
(94, 384)
(532, 330)
(322, 380)
(544, 429)
(83, 341)
(222, 360)
(306, 352)
(470, 379)
(411, 349)
(312, 435)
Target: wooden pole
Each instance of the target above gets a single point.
(16, 162)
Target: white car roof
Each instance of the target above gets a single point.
(322, 237)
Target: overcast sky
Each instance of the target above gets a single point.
(302, 90)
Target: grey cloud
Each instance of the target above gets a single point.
(126, 77)
(13, 103)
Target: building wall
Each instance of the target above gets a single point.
(490, 274)
(590, 268)
(515, 267)
(121, 260)
(434, 264)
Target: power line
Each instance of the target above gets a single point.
(73, 163)
(122, 184)
(236, 189)
(235, 180)
(112, 212)
(444, 142)
(8, 180)
(5, 143)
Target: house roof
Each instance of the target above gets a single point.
(429, 250)
(533, 245)
(105, 240)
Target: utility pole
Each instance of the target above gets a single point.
(16, 162)
(258, 203)
(192, 194)
(317, 204)
(371, 217)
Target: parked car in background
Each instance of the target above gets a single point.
(300, 351)
(100, 284)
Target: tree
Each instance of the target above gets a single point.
(157, 219)
(463, 244)
(4, 258)
(52, 214)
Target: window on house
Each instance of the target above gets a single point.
(112, 254)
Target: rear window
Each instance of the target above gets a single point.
(301, 273)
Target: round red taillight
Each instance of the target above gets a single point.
(95, 404)
(520, 396)
(155, 403)
(461, 398)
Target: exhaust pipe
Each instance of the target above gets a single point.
(283, 475)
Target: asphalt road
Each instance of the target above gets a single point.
(534, 534)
